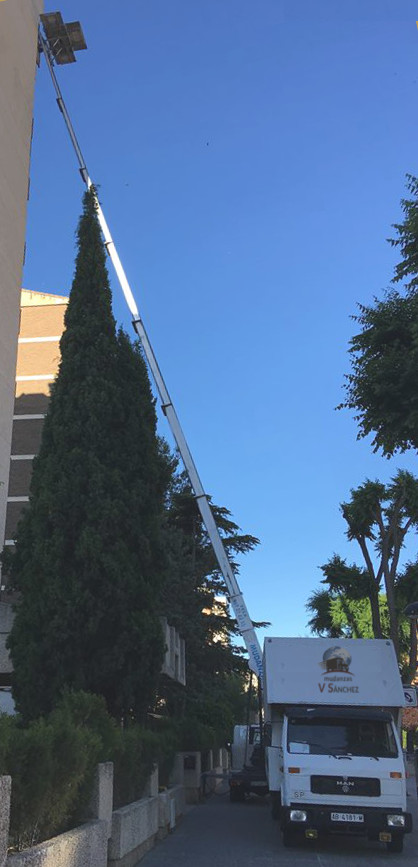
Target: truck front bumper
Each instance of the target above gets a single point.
(319, 818)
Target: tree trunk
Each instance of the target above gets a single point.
(412, 668)
(374, 604)
(393, 615)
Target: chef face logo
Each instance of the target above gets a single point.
(336, 659)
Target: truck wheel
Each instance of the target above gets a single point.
(395, 845)
(276, 806)
(288, 837)
(236, 794)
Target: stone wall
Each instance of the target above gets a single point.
(108, 839)
(120, 838)
(85, 846)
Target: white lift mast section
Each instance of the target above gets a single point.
(235, 596)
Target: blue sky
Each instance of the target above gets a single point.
(251, 160)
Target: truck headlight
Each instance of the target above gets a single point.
(396, 820)
(298, 816)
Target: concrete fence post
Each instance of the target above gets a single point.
(177, 771)
(5, 793)
(225, 759)
(192, 766)
(151, 786)
(101, 801)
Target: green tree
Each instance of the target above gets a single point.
(195, 596)
(382, 386)
(341, 611)
(406, 590)
(378, 518)
(89, 555)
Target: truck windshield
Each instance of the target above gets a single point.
(356, 737)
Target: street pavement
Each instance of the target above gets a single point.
(219, 834)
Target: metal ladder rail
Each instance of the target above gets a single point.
(236, 599)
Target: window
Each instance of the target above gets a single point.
(357, 737)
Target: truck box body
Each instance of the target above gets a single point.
(335, 762)
(360, 672)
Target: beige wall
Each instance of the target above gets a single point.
(18, 50)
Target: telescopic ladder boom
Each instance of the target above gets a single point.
(235, 596)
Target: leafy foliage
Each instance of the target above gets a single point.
(406, 590)
(134, 750)
(382, 386)
(215, 694)
(337, 614)
(136, 753)
(52, 762)
(382, 390)
(342, 612)
(407, 239)
(378, 518)
(89, 556)
(383, 515)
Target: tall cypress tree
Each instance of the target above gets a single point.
(89, 557)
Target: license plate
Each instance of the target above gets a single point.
(347, 817)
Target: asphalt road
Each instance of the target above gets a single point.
(220, 834)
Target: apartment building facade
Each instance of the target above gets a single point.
(18, 63)
(41, 327)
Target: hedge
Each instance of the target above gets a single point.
(52, 763)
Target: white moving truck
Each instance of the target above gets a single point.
(246, 740)
(248, 774)
(334, 759)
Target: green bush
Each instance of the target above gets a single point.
(169, 744)
(137, 752)
(88, 711)
(134, 758)
(195, 735)
(133, 750)
(53, 760)
(51, 763)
